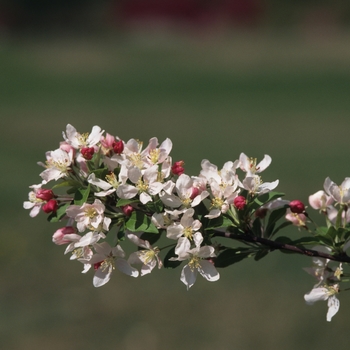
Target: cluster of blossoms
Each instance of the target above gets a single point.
(117, 192)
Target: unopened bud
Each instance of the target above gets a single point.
(87, 152)
(127, 209)
(297, 206)
(118, 146)
(177, 168)
(58, 236)
(239, 202)
(50, 206)
(43, 194)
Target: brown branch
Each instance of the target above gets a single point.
(273, 245)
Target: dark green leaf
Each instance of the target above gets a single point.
(67, 183)
(264, 198)
(261, 254)
(274, 216)
(231, 256)
(139, 222)
(221, 221)
(81, 195)
(150, 237)
(280, 227)
(122, 202)
(59, 214)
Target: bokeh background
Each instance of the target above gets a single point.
(217, 78)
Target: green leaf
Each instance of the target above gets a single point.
(221, 221)
(280, 227)
(261, 254)
(67, 183)
(307, 241)
(155, 206)
(59, 214)
(231, 256)
(256, 227)
(274, 216)
(264, 198)
(81, 195)
(100, 173)
(171, 264)
(122, 202)
(139, 222)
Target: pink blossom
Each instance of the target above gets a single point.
(58, 236)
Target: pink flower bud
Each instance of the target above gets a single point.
(127, 209)
(118, 146)
(45, 195)
(50, 206)
(87, 152)
(297, 207)
(58, 236)
(177, 168)
(240, 202)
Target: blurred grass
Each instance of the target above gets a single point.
(215, 97)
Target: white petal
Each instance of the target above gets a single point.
(125, 267)
(333, 307)
(208, 271)
(188, 276)
(101, 277)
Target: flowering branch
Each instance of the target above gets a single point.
(276, 245)
(116, 192)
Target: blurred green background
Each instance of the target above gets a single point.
(278, 85)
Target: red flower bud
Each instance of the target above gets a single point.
(297, 206)
(87, 152)
(127, 209)
(177, 168)
(118, 146)
(50, 206)
(239, 202)
(45, 195)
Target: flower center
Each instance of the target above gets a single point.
(82, 138)
(90, 212)
(188, 232)
(142, 186)
(112, 180)
(194, 263)
(154, 155)
(217, 202)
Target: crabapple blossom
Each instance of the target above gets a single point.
(186, 227)
(88, 215)
(117, 190)
(148, 256)
(320, 200)
(196, 260)
(249, 165)
(105, 260)
(340, 194)
(78, 141)
(325, 293)
(57, 165)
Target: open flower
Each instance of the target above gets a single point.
(78, 141)
(196, 260)
(340, 194)
(325, 293)
(88, 215)
(148, 256)
(57, 165)
(105, 260)
(248, 164)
